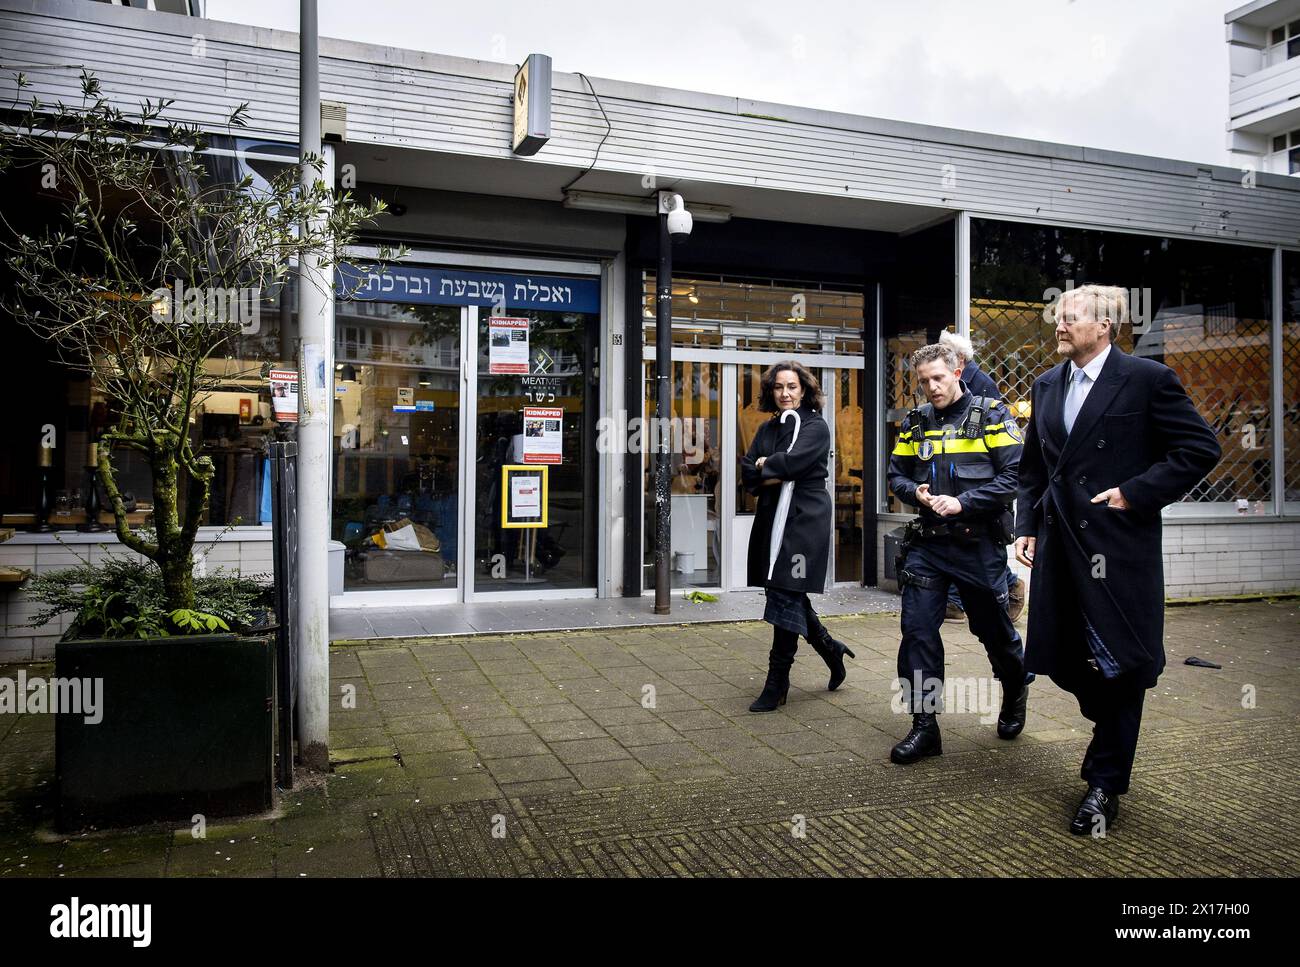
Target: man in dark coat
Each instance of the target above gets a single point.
(1113, 439)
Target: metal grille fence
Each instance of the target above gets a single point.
(1222, 361)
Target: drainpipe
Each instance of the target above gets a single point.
(316, 372)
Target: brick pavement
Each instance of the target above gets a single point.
(550, 733)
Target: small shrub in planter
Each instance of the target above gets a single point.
(187, 697)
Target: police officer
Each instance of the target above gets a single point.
(956, 459)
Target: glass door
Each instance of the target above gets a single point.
(533, 397)
(747, 418)
(697, 474)
(845, 390)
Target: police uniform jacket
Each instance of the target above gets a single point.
(978, 469)
(809, 524)
(1136, 430)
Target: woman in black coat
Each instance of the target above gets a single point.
(801, 561)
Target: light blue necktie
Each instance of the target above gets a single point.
(1074, 397)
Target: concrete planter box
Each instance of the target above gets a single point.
(187, 728)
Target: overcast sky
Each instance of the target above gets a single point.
(1148, 76)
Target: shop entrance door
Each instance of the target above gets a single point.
(427, 414)
(531, 404)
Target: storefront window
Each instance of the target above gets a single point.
(761, 315)
(1202, 308)
(397, 444)
(233, 421)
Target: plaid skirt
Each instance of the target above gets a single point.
(788, 610)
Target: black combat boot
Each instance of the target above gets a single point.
(1011, 720)
(779, 660)
(922, 741)
(832, 652)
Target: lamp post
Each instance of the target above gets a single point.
(675, 224)
(315, 397)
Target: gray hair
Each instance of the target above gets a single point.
(928, 354)
(958, 344)
(1098, 302)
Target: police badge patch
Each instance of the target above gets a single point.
(1013, 431)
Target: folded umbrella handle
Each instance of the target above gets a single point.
(783, 502)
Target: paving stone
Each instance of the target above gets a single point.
(507, 746)
(588, 750)
(730, 737)
(500, 725)
(616, 773)
(568, 729)
(632, 715)
(415, 743)
(656, 733)
(692, 719)
(453, 789)
(803, 741)
(455, 762)
(671, 755)
(412, 724)
(559, 712)
(539, 787)
(527, 768)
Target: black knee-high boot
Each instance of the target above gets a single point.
(779, 659)
(832, 651)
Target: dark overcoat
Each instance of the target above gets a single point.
(979, 383)
(1137, 430)
(809, 524)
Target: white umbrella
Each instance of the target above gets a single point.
(782, 504)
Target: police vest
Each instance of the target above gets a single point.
(955, 459)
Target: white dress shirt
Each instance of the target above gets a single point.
(1078, 389)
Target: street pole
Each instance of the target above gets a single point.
(315, 398)
(663, 414)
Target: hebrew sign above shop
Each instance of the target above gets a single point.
(462, 287)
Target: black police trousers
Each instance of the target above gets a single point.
(979, 570)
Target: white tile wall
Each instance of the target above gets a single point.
(245, 551)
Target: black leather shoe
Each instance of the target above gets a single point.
(1096, 803)
(1011, 720)
(1015, 600)
(923, 740)
(833, 653)
(774, 692)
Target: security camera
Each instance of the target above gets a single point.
(680, 221)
